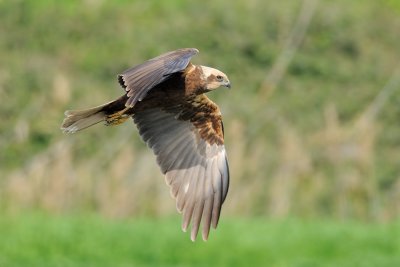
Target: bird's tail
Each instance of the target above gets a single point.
(112, 113)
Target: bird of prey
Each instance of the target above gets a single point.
(166, 98)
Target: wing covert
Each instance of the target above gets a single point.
(139, 79)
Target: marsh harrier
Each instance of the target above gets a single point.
(166, 98)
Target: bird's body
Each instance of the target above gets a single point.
(166, 98)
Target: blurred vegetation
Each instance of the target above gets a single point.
(316, 135)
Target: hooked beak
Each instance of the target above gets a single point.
(227, 84)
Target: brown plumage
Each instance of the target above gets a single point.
(165, 96)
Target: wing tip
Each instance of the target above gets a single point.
(193, 238)
(205, 237)
(121, 80)
(195, 50)
(184, 228)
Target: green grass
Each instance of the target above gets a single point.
(42, 240)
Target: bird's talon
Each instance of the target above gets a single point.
(116, 119)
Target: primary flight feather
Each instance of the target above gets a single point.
(166, 98)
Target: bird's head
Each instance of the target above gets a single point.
(215, 78)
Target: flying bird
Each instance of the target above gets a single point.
(166, 98)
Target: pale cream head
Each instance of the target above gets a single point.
(215, 78)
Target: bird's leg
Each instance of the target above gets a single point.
(118, 117)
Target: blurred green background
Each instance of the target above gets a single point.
(312, 127)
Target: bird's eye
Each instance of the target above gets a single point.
(219, 78)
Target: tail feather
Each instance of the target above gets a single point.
(76, 120)
(113, 113)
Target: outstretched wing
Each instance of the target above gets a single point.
(188, 142)
(138, 80)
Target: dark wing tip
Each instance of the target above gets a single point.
(121, 80)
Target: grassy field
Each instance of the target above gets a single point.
(40, 240)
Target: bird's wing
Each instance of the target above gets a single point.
(138, 80)
(188, 142)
